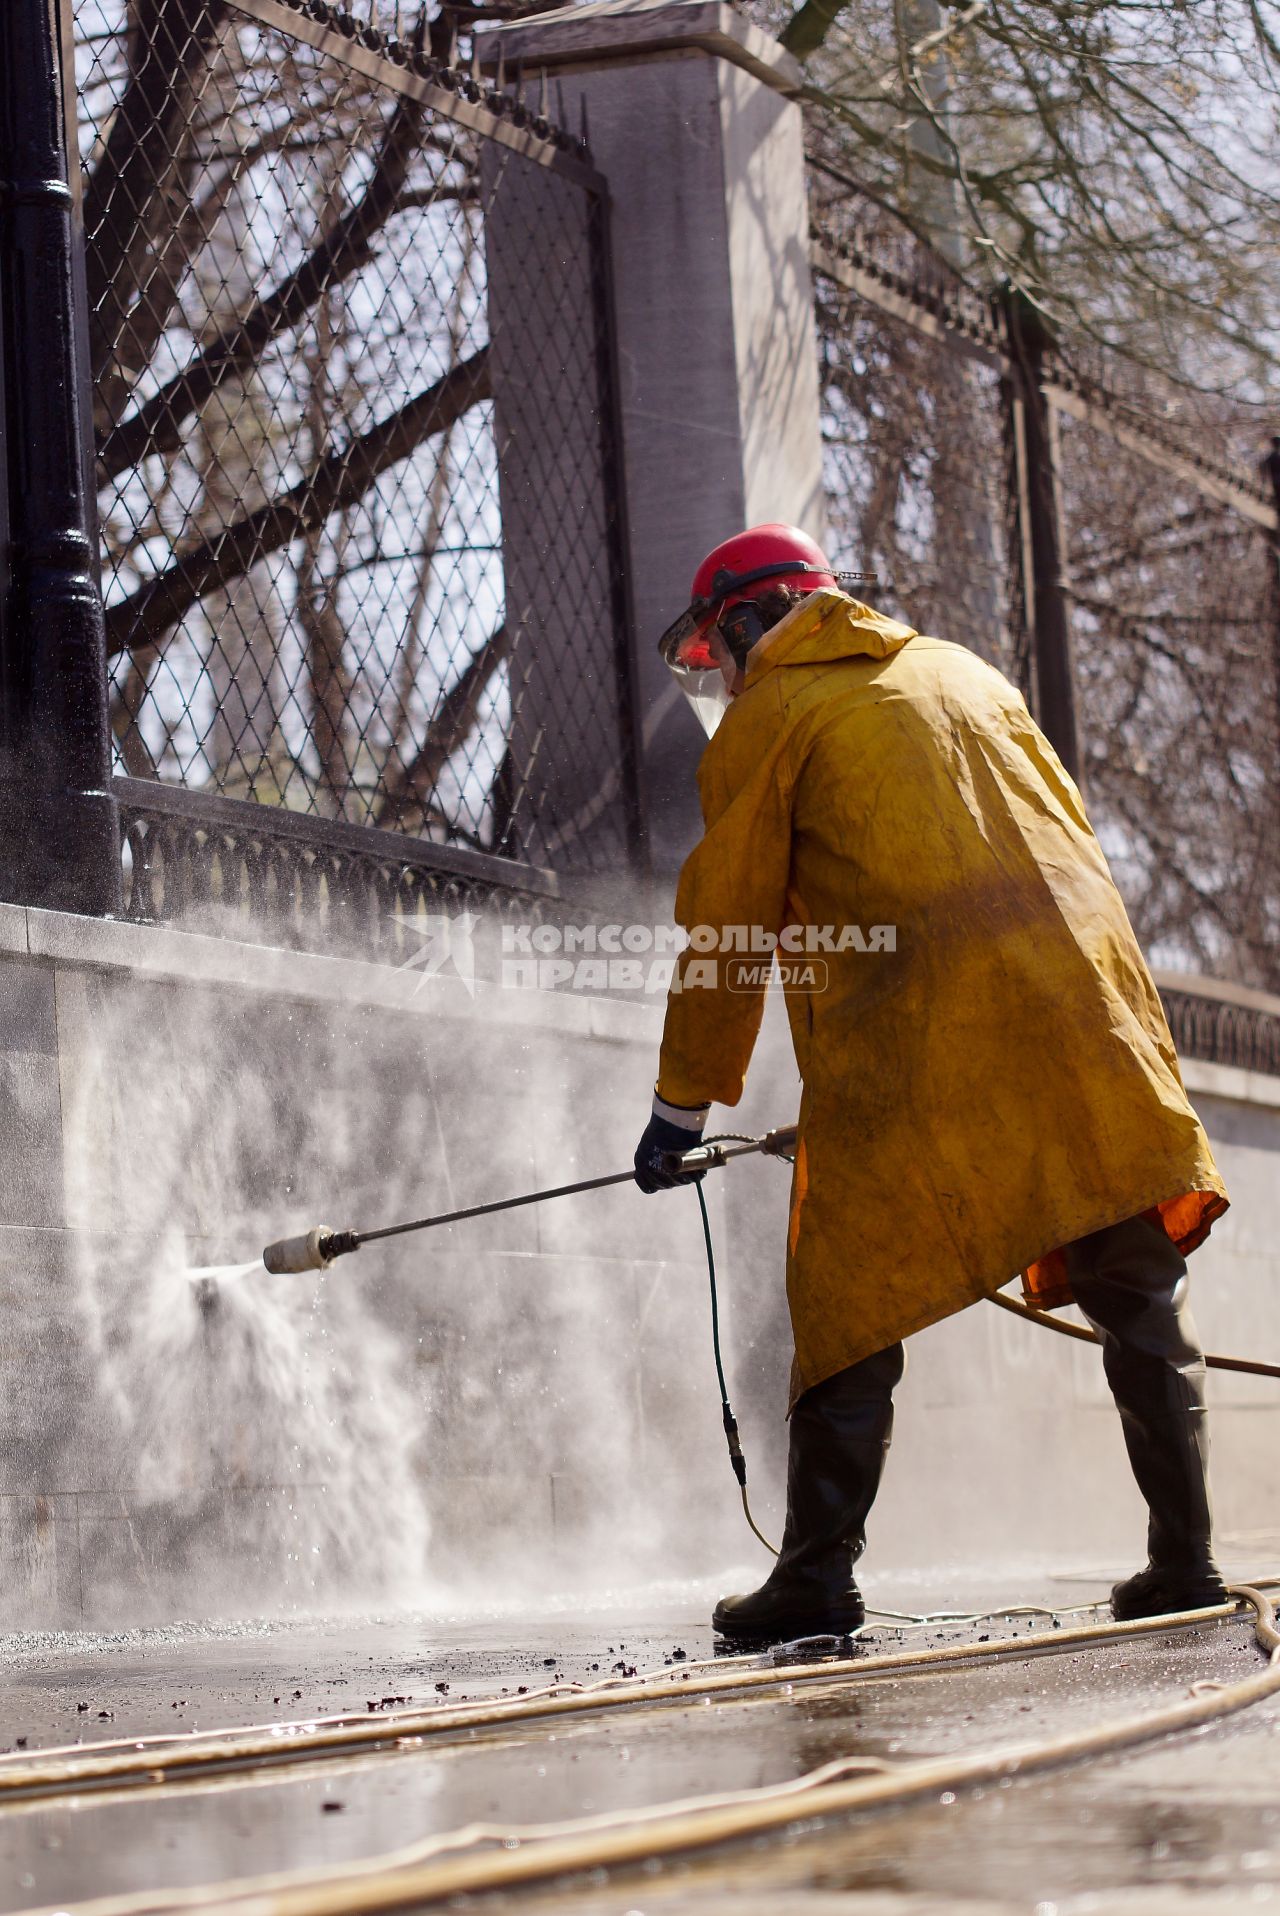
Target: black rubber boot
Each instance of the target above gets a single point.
(840, 1433)
(1158, 1593)
(1131, 1282)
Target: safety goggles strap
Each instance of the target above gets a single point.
(726, 582)
(700, 612)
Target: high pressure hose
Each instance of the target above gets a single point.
(736, 1457)
(484, 1858)
(1251, 1366)
(150, 1763)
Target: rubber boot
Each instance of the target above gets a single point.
(839, 1438)
(1131, 1283)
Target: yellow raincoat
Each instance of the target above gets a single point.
(1002, 1080)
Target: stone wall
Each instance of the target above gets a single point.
(514, 1405)
(518, 1386)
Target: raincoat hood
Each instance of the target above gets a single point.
(827, 626)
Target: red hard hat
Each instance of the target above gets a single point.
(735, 570)
(767, 553)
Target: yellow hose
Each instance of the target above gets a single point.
(458, 1863)
(159, 1761)
(1250, 1366)
(162, 1760)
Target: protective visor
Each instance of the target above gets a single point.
(686, 648)
(686, 644)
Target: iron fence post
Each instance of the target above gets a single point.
(59, 831)
(1040, 511)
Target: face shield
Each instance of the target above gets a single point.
(702, 660)
(686, 648)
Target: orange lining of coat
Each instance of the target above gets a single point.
(1186, 1220)
(799, 1192)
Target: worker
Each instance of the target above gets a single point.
(989, 1085)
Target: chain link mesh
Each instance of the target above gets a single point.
(303, 471)
(917, 464)
(1176, 624)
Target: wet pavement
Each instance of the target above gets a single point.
(1193, 1823)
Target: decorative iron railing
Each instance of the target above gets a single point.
(1220, 1031)
(222, 865)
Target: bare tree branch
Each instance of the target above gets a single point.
(450, 727)
(345, 246)
(338, 480)
(132, 197)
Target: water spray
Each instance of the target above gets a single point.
(321, 1246)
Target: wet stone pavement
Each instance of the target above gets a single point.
(1191, 1824)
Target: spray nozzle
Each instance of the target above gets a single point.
(314, 1250)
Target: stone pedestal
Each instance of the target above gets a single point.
(689, 115)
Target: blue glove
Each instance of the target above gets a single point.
(664, 1139)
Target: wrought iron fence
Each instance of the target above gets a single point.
(1219, 1031)
(1176, 625)
(335, 587)
(917, 460)
(1109, 544)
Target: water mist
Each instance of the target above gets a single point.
(516, 1406)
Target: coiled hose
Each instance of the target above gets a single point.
(485, 1858)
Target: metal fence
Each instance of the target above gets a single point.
(330, 573)
(919, 477)
(361, 510)
(1206, 1024)
(1176, 626)
(1110, 543)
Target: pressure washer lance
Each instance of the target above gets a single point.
(317, 1249)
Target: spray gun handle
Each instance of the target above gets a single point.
(710, 1157)
(703, 1157)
